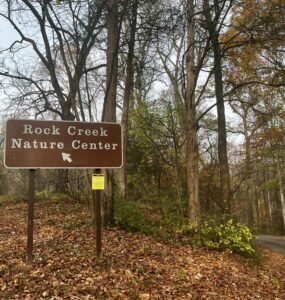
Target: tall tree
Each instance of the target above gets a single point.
(60, 38)
(255, 81)
(214, 17)
(128, 92)
(62, 48)
(191, 124)
(109, 109)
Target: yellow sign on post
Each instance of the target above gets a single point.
(98, 182)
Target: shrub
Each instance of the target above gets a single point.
(130, 217)
(59, 197)
(223, 236)
(42, 195)
(54, 197)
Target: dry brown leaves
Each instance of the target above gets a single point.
(133, 266)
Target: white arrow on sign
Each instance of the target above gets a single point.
(66, 156)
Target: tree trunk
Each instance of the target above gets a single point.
(191, 129)
(127, 97)
(269, 213)
(109, 109)
(62, 181)
(249, 204)
(256, 195)
(281, 192)
(222, 133)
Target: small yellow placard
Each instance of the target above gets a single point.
(98, 181)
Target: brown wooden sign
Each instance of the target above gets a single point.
(62, 144)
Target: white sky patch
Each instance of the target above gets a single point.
(7, 34)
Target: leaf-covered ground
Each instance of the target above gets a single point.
(133, 266)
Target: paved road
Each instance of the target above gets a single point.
(276, 243)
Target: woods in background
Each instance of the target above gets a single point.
(198, 87)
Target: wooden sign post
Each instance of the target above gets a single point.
(98, 184)
(31, 204)
(33, 144)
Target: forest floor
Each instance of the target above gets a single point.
(133, 266)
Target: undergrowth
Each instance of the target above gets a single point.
(214, 233)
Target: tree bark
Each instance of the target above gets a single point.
(191, 129)
(222, 133)
(281, 192)
(62, 181)
(249, 204)
(127, 96)
(109, 109)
